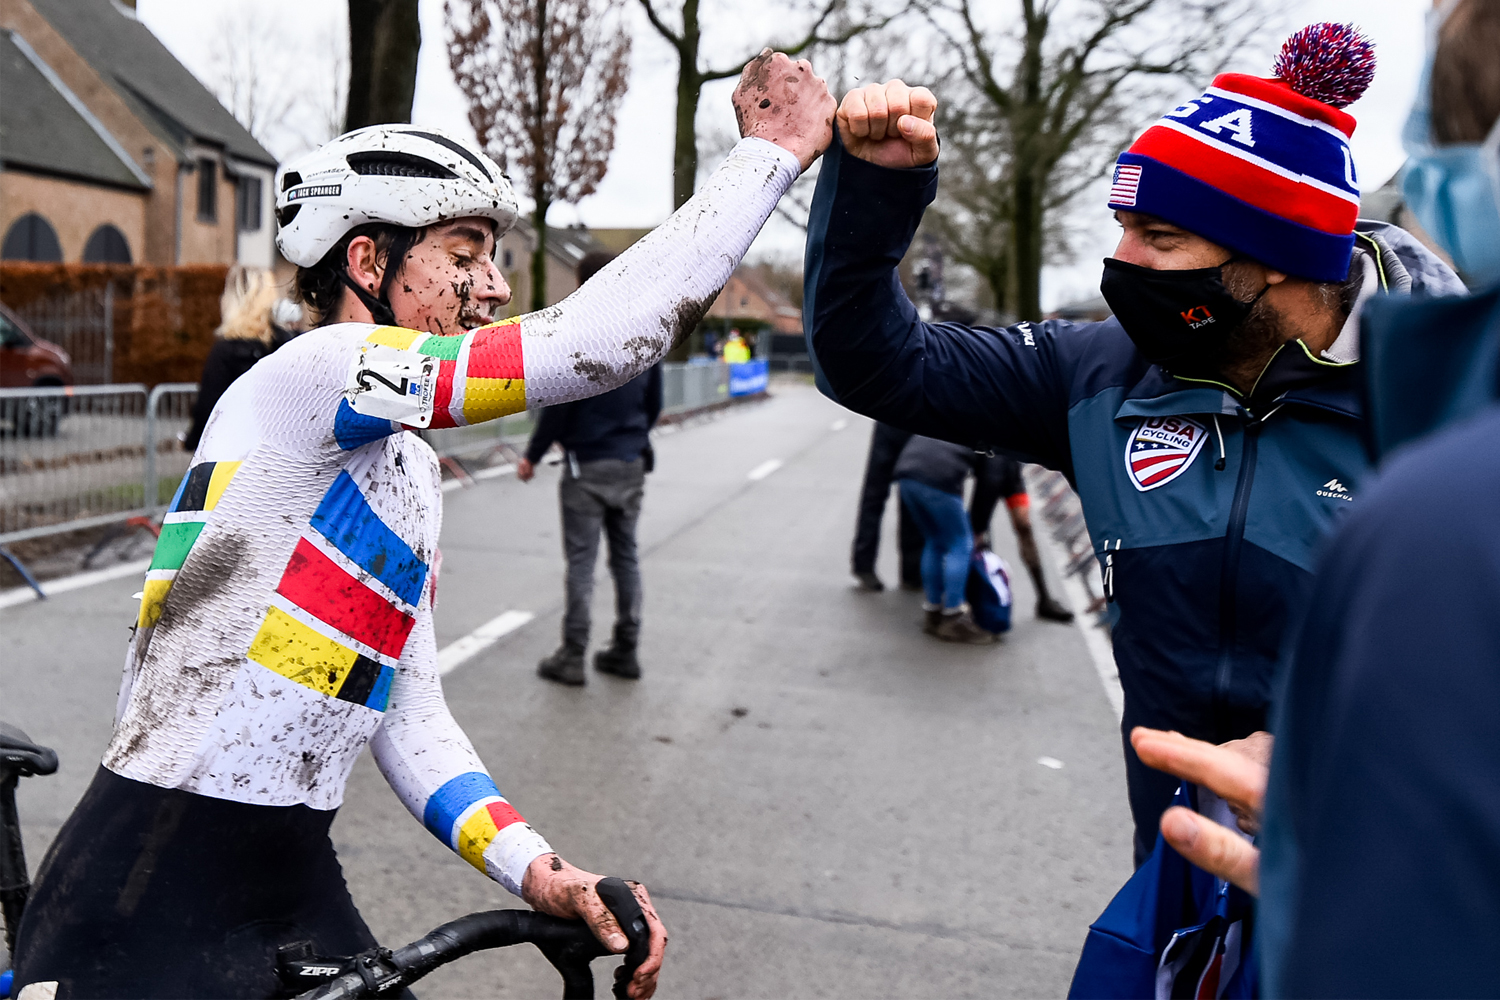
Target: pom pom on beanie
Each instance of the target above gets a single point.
(1327, 62)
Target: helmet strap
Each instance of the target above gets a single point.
(380, 309)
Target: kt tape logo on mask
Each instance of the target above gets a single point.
(1161, 449)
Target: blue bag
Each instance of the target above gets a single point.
(1174, 930)
(987, 590)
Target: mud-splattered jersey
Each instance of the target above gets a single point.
(286, 620)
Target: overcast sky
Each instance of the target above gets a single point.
(637, 192)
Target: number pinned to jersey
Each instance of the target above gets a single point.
(392, 383)
(1161, 449)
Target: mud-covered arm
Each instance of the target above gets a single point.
(620, 323)
(433, 768)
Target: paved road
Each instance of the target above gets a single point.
(824, 801)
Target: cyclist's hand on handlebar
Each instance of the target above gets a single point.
(556, 887)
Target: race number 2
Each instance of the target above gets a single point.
(393, 384)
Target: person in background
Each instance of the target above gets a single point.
(736, 351)
(256, 321)
(932, 474)
(999, 477)
(886, 443)
(607, 449)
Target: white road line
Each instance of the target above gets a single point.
(449, 485)
(839, 424)
(23, 595)
(482, 638)
(764, 469)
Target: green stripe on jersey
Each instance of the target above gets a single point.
(174, 544)
(442, 348)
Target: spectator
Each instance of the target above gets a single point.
(607, 446)
(1000, 478)
(736, 351)
(256, 321)
(886, 443)
(932, 474)
(1381, 829)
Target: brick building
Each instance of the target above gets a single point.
(112, 152)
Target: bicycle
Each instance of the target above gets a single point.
(568, 944)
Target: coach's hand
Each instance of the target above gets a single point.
(1237, 773)
(890, 124)
(786, 103)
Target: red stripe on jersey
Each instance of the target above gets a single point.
(442, 394)
(503, 815)
(1160, 474)
(322, 588)
(1267, 191)
(495, 352)
(1143, 461)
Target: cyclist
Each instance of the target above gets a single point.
(287, 618)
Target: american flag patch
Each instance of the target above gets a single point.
(1127, 184)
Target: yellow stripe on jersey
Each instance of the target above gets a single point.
(394, 336)
(152, 599)
(488, 398)
(475, 835)
(297, 653)
(218, 482)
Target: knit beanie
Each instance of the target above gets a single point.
(1262, 166)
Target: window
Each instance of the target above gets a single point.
(208, 190)
(11, 335)
(247, 209)
(107, 245)
(31, 237)
(509, 257)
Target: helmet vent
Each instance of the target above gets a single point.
(290, 180)
(390, 163)
(443, 140)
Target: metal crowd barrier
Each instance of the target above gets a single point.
(1062, 515)
(76, 457)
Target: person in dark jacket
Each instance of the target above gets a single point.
(886, 443)
(1212, 427)
(931, 475)
(607, 452)
(256, 321)
(999, 478)
(1382, 832)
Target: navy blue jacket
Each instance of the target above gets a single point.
(1205, 509)
(616, 424)
(1381, 871)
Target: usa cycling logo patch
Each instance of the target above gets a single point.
(1161, 449)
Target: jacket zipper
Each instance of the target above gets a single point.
(1231, 569)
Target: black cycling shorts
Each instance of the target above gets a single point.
(156, 892)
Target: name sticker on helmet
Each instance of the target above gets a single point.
(314, 191)
(392, 384)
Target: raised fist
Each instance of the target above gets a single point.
(784, 102)
(890, 124)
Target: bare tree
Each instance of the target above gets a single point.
(544, 79)
(286, 88)
(832, 25)
(1051, 99)
(384, 39)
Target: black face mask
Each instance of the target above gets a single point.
(1180, 320)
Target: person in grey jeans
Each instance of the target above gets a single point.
(607, 453)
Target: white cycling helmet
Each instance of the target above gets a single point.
(399, 174)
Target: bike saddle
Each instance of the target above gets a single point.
(21, 757)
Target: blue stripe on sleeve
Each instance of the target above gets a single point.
(344, 518)
(351, 429)
(449, 802)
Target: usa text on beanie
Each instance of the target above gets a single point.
(1262, 166)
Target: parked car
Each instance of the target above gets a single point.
(27, 360)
